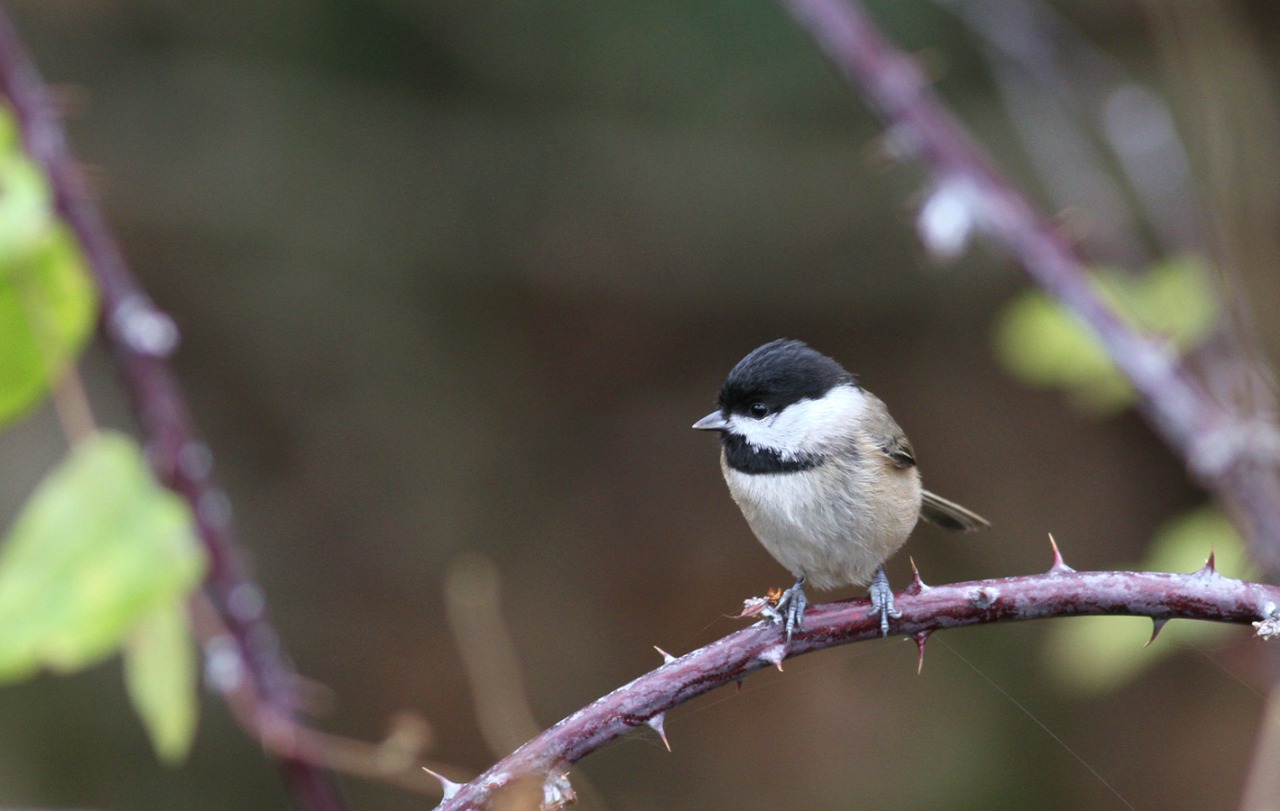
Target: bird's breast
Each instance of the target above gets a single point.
(833, 523)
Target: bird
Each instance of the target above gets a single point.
(824, 476)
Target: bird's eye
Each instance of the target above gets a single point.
(759, 410)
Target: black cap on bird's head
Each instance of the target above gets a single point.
(772, 377)
(778, 374)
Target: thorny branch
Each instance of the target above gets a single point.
(141, 338)
(1234, 455)
(1060, 592)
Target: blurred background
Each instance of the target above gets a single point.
(454, 279)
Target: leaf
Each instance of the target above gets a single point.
(1042, 344)
(48, 303)
(1092, 655)
(161, 677)
(1175, 299)
(98, 547)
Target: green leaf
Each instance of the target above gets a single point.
(98, 547)
(1175, 299)
(26, 207)
(1042, 344)
(1092, 655)
(48, 303)
(161, 677)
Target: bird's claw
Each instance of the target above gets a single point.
(790, 609)
(882, 601)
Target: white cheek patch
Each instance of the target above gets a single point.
(805, 426)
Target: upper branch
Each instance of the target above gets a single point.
(1232, 455)
(141, 338)
(1060, 592)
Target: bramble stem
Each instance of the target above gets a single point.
(141, 339)
(1235, 456)
(1203, 595)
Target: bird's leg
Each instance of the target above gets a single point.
(882, 600)
(790, 608)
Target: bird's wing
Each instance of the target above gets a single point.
(899, 451)
(886, 435)
(892, 441)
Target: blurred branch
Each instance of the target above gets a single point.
(396, 759)
(141, 339)
(1230, 120)
(488, 653)
(1261, 792)
(1068, 99)
(474, 608)
(1230, 453)
(1060, 592)
(1229, 114)
(71, 404)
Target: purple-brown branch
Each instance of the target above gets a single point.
(1217, 445)
(1233, 455)
(1060, 592)
(141, 339)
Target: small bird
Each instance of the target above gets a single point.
(824, 476)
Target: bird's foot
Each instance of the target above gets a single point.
(790, 609)
(882, 600)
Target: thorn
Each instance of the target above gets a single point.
(658, 722)
(666, 657)
(1157, 625)
(1210, 566)
(738, 682)
(921, 637)
(449, 787)
(774, 655)
(1058, 564)
(917, 585)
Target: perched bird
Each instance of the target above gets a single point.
(824, 476)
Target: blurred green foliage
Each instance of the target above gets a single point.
(48, 304)
(1043, 345)
(160, 672)
(1091, 655)
(99, 556)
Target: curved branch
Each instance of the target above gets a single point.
(1060, 592)
(141, 338)
(1232, 454)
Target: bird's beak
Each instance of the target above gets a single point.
(712, 422)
